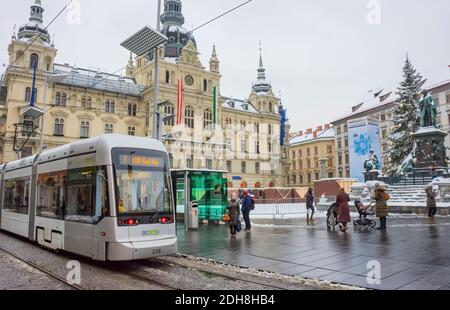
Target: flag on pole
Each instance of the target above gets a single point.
(33, 88)
(180, 102)
(215, 105)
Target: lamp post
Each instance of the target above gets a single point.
(49, 80)
(156, 116)
(142, 43)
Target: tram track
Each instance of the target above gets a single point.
(43, 270)
(209, 271)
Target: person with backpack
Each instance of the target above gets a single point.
(431, 204)
(247, 206)
(310, 205)
(382, 209)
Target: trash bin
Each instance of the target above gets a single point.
(193, 215)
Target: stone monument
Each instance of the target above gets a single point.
(430, 150)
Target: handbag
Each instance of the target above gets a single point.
(226, 218)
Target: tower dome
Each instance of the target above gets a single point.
(35, 24)
(261, 86)
(173, 29)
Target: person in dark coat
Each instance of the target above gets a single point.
(310, 205)
(382, 209)
(234, 213)
(431, 204)
(246, 209)
(342, 201)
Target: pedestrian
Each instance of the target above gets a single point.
(382, 209)
(246, 209)
(342, 201)
(310, 205)
(431, 203)
(234, 213)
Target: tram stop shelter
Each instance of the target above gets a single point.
(205, 188)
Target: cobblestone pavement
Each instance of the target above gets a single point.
(16, 275)
(412, 255)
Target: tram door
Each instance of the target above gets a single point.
(80, 214)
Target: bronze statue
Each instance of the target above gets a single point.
(372, 163)
(428, 110)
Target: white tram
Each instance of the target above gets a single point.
(108, 198)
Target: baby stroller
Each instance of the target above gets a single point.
(332, 217)
(364, 224)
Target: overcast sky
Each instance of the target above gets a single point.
(322, 55)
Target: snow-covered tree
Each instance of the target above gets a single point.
(405, 117)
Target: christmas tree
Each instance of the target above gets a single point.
(405, 117)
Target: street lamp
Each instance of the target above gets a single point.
(142, 43)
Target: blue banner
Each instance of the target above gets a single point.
(283, 126)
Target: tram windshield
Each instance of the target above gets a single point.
(142, 181)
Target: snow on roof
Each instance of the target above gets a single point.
(98, 80)
(325, 134)
(385, 98)
(239, 105)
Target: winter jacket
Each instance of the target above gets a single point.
(431, 198)
(233, 211)
(246, 204)
(381, 206)
(309, 200)
(342, 201)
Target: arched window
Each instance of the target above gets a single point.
(63, 99)
(189, 117)
(109, 128)
(169, 110)
(167, 77)
(84, 129)
(207, 119)
(28, 94)
(58, 99)
(205, 85)
(34, 60)
(59, 128)
(131, 131)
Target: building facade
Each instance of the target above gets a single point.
(202, 128)
(311, 156)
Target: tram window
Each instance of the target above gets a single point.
(50, 196)
(101, 196)
(80, 190)
(87, 195)
(17, 195)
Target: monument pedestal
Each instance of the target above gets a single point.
(430, 148)
(371, 175)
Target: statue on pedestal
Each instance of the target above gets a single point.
(428, 110)
(372, 163)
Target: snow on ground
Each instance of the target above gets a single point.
(271, 278)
